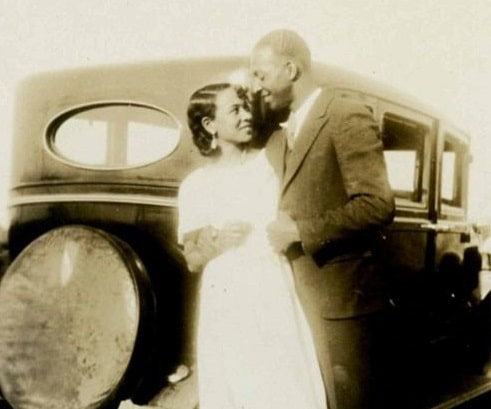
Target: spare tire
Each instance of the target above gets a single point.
(73, 307)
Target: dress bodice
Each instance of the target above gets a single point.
(215, 195)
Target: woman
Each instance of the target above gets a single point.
(255, 350)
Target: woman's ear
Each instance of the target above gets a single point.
(209, 125)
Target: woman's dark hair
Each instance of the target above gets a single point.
(203, 104)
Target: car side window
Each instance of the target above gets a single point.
(405, 149)
(453, 163)
(113, 135)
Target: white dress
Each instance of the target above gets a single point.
(255, 349)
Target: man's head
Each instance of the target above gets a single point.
(279, 60)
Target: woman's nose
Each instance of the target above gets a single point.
(245, 114)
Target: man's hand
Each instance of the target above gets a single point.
(283, 232)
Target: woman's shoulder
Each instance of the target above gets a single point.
(196, 177)
(262, 156)
(256, 154)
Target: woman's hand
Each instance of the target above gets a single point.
(232, 234)
(203, 245)
(199, 248)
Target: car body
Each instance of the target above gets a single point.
(99, 153)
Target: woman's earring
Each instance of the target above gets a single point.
(214, 142)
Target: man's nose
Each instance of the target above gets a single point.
(256, 85)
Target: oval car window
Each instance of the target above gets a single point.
(114, 135)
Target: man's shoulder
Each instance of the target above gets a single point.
(335, 104)
(342, 105)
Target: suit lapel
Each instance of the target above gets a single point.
(275, 152)
(307, 135)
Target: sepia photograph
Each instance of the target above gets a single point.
(245, 205)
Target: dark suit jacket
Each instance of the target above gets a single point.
(335, 186)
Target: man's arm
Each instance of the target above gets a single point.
(370, 204)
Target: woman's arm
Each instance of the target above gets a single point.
(203, 245)
(199, 248)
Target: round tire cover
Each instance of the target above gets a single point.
(69, 313)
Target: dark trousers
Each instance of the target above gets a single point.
(357, 360)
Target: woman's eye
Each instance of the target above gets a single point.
(259, 77)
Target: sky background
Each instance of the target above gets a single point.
(438, 51)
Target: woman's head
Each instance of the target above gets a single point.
(218, 114)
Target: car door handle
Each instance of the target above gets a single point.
(449, 228)
(464, 230)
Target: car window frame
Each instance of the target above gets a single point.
(57, 121)
(421, 209)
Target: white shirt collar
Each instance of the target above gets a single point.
(302, 112)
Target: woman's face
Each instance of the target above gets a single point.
(233, 119)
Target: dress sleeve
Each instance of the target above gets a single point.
(192, 207)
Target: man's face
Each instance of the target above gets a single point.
(272, 78)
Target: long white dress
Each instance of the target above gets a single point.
(255, 349)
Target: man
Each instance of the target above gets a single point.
(335, 198)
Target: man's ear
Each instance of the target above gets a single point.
(292, 70)
(209, 125)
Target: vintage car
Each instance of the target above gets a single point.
(97, 306)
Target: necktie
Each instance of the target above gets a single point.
(290, 130)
